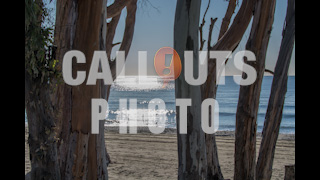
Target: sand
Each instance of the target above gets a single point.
(149, 156)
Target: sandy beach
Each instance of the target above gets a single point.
(149, 156)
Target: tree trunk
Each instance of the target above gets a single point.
(229, 41)
(42, 138)
(246, 116)
(276, 101)
(191, 146)
(80, 25)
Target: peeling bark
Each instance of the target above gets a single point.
(82, 155)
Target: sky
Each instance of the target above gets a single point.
(154, 29)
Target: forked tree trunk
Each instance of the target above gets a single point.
(276, 101)
(80, 25)
(228, 42)
(208, 90)
(191, 146)
(125, 46)
(248, 104)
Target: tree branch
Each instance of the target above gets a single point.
(128, 33)
(112, 26)
(229, 41)
(116, 44)
(226, 20)
(116, 8)
(202, 41)
(234, 34)
(269, 71)
(213, 21)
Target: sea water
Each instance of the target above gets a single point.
(144, 89)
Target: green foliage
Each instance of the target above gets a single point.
(38, 42)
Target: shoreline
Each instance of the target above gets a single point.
(145, 130)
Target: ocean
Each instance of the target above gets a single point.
(144, 89)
